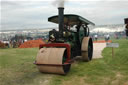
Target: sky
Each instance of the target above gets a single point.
(31, 14)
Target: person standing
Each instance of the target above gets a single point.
(96, 37)
(126, 29)
(107, 37)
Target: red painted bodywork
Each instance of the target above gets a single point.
(65, 45)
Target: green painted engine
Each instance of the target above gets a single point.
(64, 45)
(72, 33)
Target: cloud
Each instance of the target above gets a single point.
(102, 12)
(31, 13)
(25, 14)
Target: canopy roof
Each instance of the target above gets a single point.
(71, 19)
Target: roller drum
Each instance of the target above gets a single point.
(50, 60)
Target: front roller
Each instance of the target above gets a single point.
(52, 60)
(87, 49)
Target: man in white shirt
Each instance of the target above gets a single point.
(96, 37)
(107, 37)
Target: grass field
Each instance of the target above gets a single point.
(17, 68)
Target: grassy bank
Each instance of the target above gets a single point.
(17, 68)
(105, 71)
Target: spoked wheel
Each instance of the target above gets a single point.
(87, 49)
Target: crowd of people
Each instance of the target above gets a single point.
(10, 44)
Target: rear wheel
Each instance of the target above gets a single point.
(87, 49)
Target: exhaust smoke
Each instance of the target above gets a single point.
(59, 3)
(60, 6)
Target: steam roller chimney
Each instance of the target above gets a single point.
(61, 18)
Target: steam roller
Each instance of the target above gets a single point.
(64, 45)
